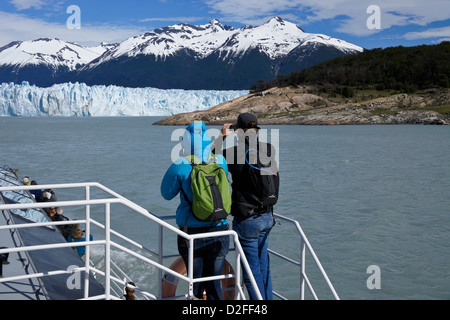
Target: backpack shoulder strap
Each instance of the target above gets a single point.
(193, 160)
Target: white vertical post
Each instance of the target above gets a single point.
(107, 252)
(247, 268)
(302, 268)
(160, 260)
(191, 267)
(87, 254)
(238, 275)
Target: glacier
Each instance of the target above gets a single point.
(78, 99)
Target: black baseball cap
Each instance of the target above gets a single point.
(246, 121)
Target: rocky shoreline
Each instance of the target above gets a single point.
(304, 106)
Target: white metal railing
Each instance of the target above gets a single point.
(301, 264)
(108, 243)
(304, 245)
(114, 278)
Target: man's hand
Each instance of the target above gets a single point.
(226, 129)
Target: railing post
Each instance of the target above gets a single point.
(88, 250)
(107, 252)
(190, 269)
(238, 275)
(160, 260)
(246, 266)
(302, 268)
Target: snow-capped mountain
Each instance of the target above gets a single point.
(167, 41)
(51, 52)
(210, 56)
(43, 61)
(276, 39)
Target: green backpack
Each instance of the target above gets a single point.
(210, 189)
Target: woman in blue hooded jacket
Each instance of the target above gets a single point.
(209, 253)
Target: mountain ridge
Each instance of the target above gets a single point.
(220, 54)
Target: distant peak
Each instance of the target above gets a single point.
(280, 21)
(215, 21)
(216, 25)
(276, 20)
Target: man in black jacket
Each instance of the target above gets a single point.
(255, 182)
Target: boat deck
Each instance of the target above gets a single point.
(42, 262)
(17, 264)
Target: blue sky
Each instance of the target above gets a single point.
(399, 22)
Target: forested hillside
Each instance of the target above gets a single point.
(405, 69)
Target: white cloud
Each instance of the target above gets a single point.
(397, 13)
(443, 33)
(252, 11)
(351, 14)
(16, 27)
(27, 4)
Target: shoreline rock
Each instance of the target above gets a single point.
(298, 106)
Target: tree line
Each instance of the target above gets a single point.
(405, 69)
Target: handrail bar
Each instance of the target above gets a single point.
(285, 258)
(39, 224)
(130, 241)
(41, 274)
(52, 246)
(50, 186)
(70, 203)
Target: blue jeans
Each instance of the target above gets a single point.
(253, 235)
(209, 256)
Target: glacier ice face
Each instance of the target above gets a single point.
(78, 99)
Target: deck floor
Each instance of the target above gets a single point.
(20, 289)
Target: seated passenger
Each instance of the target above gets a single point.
(35, 193)
(47, 196)
(129, 292)
(77, 236)
(56, 214)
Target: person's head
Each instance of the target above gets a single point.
(246, 121)
(26, 180)
(196, 141)
(129, 292)
(77, 234)
(75, 227)
(52, 211)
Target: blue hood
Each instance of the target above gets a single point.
(196, 141)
